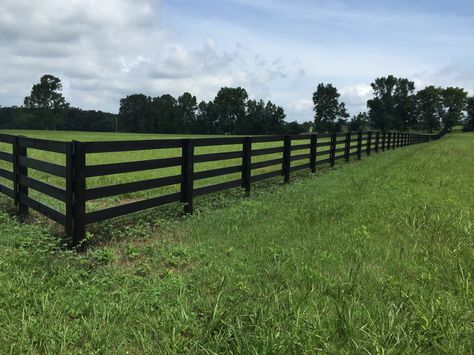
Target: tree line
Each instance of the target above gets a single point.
(396, 105)
(231, 112)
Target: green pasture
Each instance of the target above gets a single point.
(375, 256)
(106, 158)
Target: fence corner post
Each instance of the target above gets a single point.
(312, 152)
(246, 164)
(19, 171)
(79, 188)
(187, 172)
(286, 158)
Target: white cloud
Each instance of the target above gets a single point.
(105, 49)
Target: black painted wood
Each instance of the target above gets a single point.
(187, 171)
(247, 164)
(286, 159)
(79, 184)
(312, 152)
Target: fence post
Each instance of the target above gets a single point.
(383, 141)
(347, 147)
(79, 210)
(369, 141)
(246, 163)
(18, 171)
(377, 137)
(394, 140)
(332, 151)
(389, 140)
(359, 145)
(286, 158)
(312, 153)
(69, 227)
(187, 172)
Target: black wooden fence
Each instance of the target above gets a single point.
(75, 171)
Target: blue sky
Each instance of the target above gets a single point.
(277, 50)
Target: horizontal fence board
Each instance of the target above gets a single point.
(43, 144)
(217, 187)
(7, 191)
(353, 153)
(299, 167)
(325, 135)
(338, 150)
(299, 157)
(266, 139)
(300, 146)
(6, 157)
(117, 211)
(297, 137)
(264, 164)
(217, 156)
(47, 189)
(266, 175)
(200, 142)
(266, 151)
(125, 146)
(339, 157)
(323, 144)
(6, 138)
(6, 174)
(216, 172)
(133, 166)
(130, 187)
(43, 209)
(324, 152)
(45, 167)
(324, 161)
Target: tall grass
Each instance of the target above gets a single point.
(375, 256)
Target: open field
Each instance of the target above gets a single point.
(105, 158)
(375, 256)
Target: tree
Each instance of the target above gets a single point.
(47, 101)
(469, 125)
(454, 100)
(134, 114)
(262, 118)
(393, 105)
(327, 108)
(429, 108)
(230, 108)
(166, 115)
(186, 115)
(359, 122)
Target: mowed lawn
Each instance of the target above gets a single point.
(373, 256)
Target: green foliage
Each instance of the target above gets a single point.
(429, 108)
(469, 125)
(454, 100)
(46, 101)
(329, 113)
(359, 122)
(372, 257)
(393, 105)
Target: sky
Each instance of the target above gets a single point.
(103, 50)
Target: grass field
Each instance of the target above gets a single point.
(374, 256)
(105, 158)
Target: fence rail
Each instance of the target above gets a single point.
(75, 171)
